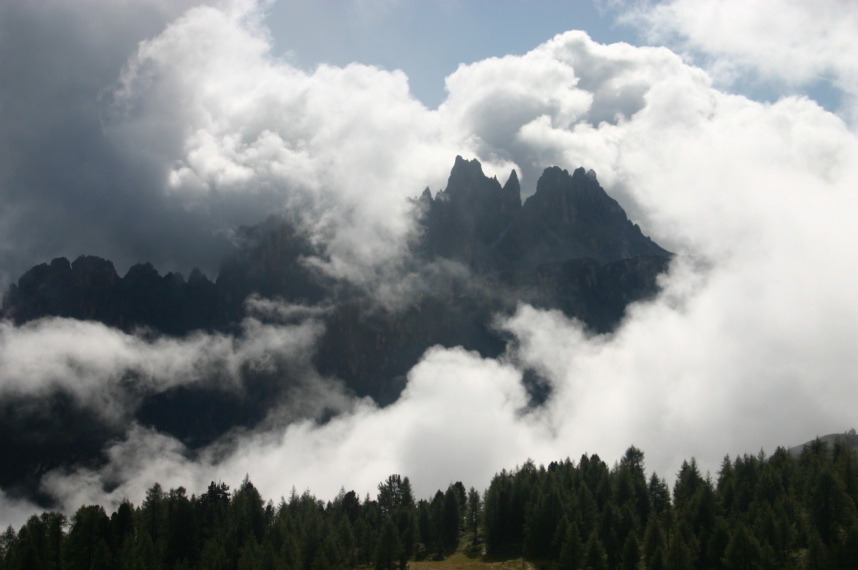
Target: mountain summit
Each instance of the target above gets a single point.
(463, 220)
(478, 222)
(572, 217)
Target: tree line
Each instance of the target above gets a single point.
(220, 530)
(759, 512)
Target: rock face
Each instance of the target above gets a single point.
(478, 222)
(82, 290)
(464, 220)
(568, 247)
(572, 217)
(373, 348)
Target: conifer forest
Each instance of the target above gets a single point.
(786, 510)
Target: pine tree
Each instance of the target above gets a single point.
(213, 556)
(654, 545)
(595, 557)
(743, 552)
(680, 555)
(543, 516)
(474, 512)
(572, 550)
(659, 494)
(8, 546)
(631, 552)
(86, 545)
(248, 513)
(450, 520)
(827, 505)
(388, 548)
(496, 513)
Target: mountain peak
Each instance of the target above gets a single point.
(464, 174)
(571, 216)
(470, 213)
(512, 184)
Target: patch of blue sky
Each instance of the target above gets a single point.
(428, 40)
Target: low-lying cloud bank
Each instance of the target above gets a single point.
(106, 370)
(751, 344)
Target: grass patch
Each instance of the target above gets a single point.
(460, 560)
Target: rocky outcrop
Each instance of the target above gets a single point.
(269, 262)
(373, 348)
(81, 290)
(595, 294)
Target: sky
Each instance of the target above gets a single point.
(148, 130)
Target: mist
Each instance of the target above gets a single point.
(198, 127)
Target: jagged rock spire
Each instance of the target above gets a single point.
(477, 221)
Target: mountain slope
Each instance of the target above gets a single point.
(848, 439)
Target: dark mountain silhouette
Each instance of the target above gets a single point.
(572, 217)
(568, 247)
(463, 221)
(267, 263)
(478, 222)
(90, 289)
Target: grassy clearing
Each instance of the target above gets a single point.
(467, 557)
(460, 561)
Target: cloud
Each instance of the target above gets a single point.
(15, 511)
(723, 363)
(567, 102)
(241, 129)
(66, 188)
(787, 41)
(109, 372)
(245, 130)
(458, 409)
(749, 345)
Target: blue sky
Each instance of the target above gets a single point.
(429, 39)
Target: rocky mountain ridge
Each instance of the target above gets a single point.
(483, 224)
(568, 247)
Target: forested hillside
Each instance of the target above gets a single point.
(762, 512)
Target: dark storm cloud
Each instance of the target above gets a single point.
(66, 187)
